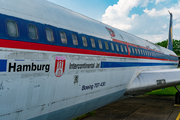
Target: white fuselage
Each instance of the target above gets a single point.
(51, 81)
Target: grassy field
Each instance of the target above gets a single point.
(92, 113)
(166, 91)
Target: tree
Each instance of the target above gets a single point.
(176, 45)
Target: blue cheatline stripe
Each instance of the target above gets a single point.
(3, 64)
(131, 64)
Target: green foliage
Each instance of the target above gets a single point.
(163, 43)
(171, 91)
(176, 45)
(92, 113)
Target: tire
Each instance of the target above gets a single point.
(177, 98)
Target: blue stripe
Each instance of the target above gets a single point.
(19, 60)
(3, 64)
(131, 64)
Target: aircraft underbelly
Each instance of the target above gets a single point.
(34, 86)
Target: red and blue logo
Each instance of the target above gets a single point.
(59, 66)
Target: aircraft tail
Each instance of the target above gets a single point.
(170, 40)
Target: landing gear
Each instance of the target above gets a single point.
(177, 96)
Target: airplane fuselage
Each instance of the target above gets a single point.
(51, 71)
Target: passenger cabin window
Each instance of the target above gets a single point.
(143, 52)
(136, 50)
(49, 35)
(63, 37)
(139, 51)
(33, 32)
(106, 45)
(125, 49)
(129, 50)
(121, 48)
(112, 47)
(84, 41)
(93, 43)
(117, 48)
(75, 41)
(12, 28)
(100, 44)
(133, 50)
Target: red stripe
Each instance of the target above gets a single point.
(54, 48)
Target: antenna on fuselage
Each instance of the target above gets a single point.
(170, 40)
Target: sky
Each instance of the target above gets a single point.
(148, 19)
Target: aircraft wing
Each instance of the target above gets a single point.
(147, 81)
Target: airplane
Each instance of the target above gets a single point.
(57, 64)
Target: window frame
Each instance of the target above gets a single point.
(117, 47)
(100, 44)
(106, 45)
(85, 44)
(121, 46)
(125, 47)
(129, 49)
(51, 34)
(16, 28)
(112, 46)
(133, 50)
(36, 32)
(93, 45)
(73, 39)
(61, 37)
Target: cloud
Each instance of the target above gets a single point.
(155, 38)
(145, 3)
(158, 1)
(177, 26)
(117, 15)
(152, 24)
(164, 26)
(155, 13)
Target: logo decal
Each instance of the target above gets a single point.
(111, 32)
(59, 66)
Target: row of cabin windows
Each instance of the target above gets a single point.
(12, 29)
(138, 51)
(146, 53)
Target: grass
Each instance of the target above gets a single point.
(171, 91)
(92, 113)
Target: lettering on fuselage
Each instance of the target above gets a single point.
(95, 85)
(14, 67)
(84, 66)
